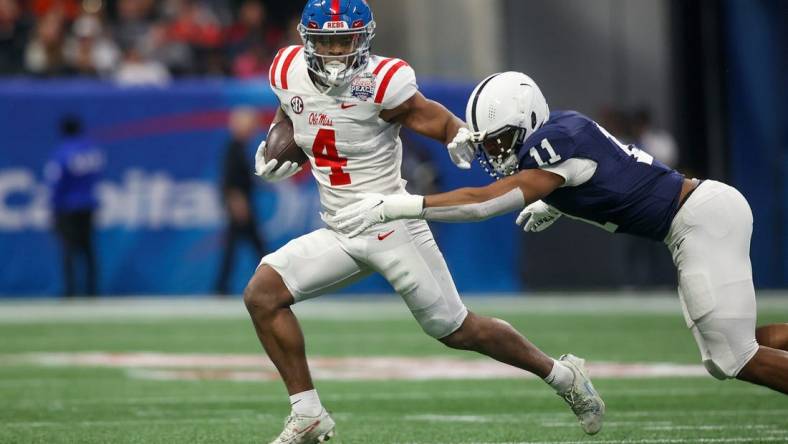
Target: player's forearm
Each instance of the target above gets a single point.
(434, 121)
(471, 204)
(463, 205)
(447, 125)
(460, 196)
(451, 128)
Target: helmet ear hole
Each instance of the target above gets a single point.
(533, 120)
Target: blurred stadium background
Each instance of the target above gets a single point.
(701, 84)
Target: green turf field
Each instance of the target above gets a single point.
(50, 401)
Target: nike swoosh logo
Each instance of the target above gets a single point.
(348, 105)
(384, 236)
(309, 428)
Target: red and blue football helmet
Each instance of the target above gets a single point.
(337, 36)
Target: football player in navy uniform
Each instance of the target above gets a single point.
(565, 163)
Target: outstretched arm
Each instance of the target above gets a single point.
(531, 185)
(461, 205)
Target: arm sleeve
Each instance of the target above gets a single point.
(511, 201)
(396, 83)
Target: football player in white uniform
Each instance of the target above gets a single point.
(347, 108)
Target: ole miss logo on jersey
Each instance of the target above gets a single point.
(320, 119)
(297, 103)
(363, 86)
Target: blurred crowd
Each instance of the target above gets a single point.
(143, 41)
(637, 126)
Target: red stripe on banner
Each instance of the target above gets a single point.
(287, 64)
(204, 120)
(335, 10)
(274, 65)
(380, 67)
(386, 80)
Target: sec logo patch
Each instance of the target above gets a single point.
(297, 104)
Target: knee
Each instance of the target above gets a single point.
(467, 336)
(718, 370)
(265, 293)
(728, 365)
(443, 322)
(460, 339)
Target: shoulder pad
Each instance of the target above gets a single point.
(282, 66)
(396, 82)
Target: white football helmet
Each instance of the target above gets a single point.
(503, 111)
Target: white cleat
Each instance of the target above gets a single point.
(301, 429)
(582, 397)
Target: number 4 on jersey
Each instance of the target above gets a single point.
(326, 155)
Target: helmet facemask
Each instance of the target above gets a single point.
(335, 57)
(498, 150)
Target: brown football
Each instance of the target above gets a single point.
(281, 145)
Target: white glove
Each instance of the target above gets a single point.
(539, 215)
(461, 149)
(268, 170)
(373, 209)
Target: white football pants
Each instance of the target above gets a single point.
(710, 243)
(403, 251)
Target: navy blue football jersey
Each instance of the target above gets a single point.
(629, 192)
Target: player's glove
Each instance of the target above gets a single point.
(373, 209)
(539, 217)
(268, 170)
(461, 149)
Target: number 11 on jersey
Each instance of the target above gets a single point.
(326, 155)
(554, 157)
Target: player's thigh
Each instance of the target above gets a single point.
(314, 264)
(715, 281)
(412, 263)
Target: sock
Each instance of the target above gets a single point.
(306, 403)
(560, 377)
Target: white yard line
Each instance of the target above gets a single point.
(737, 439)
(370, 307)
(143, 417)
(709, 427)
(142, 421)
(398, 396)
(166, 366)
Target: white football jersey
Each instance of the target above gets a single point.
(350, 148)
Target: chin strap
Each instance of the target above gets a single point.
(334, 73)
(485, 163)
